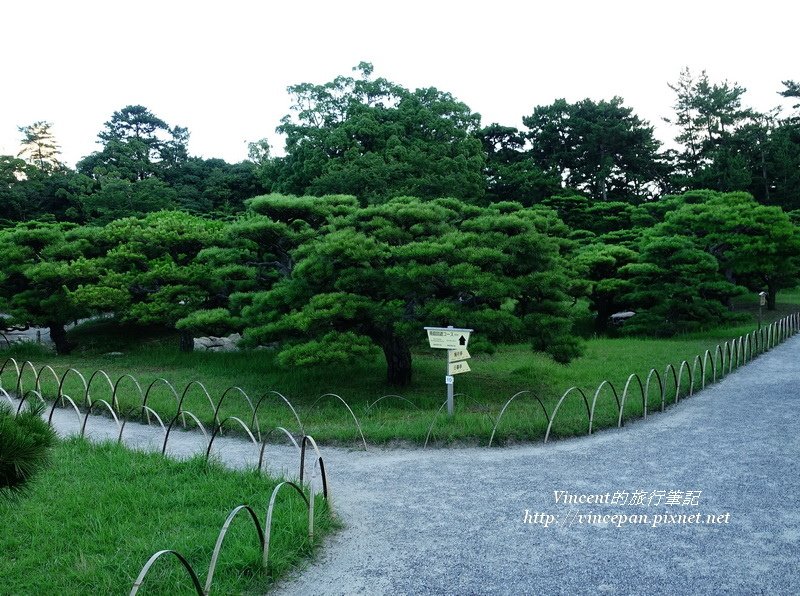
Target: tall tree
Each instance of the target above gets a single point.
(600, 148)
(685, 119)
(510, 174)
(375, 139)
(136, 145)
(783, 164)
(706, 115)
(13, 206)
(754, 140)
(29, 193)
(39, 146)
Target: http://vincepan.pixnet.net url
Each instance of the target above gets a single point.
(655, 508)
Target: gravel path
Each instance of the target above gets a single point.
(453, 521)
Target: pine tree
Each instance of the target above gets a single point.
(39, 146)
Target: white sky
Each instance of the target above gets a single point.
(222, 68)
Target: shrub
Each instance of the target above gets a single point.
(25, 442)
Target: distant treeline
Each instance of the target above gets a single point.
(374, 139)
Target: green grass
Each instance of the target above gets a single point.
(89, 522)
(481, 393)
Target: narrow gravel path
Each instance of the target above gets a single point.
(453, 521)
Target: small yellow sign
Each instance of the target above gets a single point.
(456, 368)
(457, 355)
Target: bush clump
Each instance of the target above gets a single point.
(25, 442)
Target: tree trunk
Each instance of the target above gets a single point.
(601, 319)
(59, 337)
(730, 276)
(764, 175)
(398, 361)
(772, 296)
(603, 189)
(186, 341)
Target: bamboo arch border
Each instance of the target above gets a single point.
(716, 363)
(688, 377)
(263, 535)
(305, 489)
(89, 403)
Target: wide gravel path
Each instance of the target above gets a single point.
(718, 477)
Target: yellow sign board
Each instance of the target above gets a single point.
(456, 368)
(448, 338)
(457, 355)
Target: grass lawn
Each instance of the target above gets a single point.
(89, 522)
(480, 393)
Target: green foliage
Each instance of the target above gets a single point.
(39, 146)
(136, 145)
(330, 349)
(40, 265)
(676, 288)
(118, 197)
(756, 246)
(25, 443)
(213, 185)
(534, 219)
(729, 147)
(706, 114)
(163, 268)
(601, 217)
(600, 148)
(375, 139)
(600, 265)
(510, 174)
(772, 148)
(381, 273)
(215, 321)
(28, 192)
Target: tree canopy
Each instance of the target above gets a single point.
(375, 276)
(375, 139)
(601, 148)
(40, 263)
(137, 144)
(39, 146)
(675, 287)
(754, 245)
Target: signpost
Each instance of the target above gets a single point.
(455, 341)
(762, 301)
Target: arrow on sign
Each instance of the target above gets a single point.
(448, 338)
